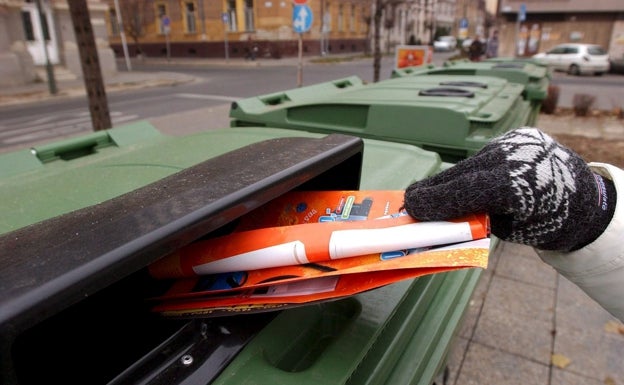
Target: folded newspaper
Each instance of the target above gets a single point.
(312, 246)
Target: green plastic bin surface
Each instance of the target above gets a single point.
(534, 77)
(81, 174)
(452, 115)
(397, 334)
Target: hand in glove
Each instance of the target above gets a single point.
(536, 191)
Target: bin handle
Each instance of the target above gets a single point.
(73, 148)
(447, 92)
(465, 84)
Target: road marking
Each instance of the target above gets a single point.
(52, 126)
(207, 97)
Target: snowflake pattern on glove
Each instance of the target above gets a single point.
(542, 181)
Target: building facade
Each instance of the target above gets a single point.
(470, 17)
(32, 37)
(548, 23)
(234, 28)
(415, 22)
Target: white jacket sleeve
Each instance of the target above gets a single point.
(598, 268)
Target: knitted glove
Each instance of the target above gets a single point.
(536, 191)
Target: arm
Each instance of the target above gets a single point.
(598, 268)
(541, 194)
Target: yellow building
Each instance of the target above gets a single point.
(206, 28)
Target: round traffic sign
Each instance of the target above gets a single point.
(300, 2)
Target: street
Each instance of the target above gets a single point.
(35, 123)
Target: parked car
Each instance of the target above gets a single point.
(576, 59)
(445, 43)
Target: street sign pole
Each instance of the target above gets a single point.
(521, 17)
(300, 65)
(122, 34)
(226, 21)
(302, 21)
(166, 22)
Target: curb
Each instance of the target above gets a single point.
(28, 97)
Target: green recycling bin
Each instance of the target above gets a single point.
(533, 76)
(454, 116)
(82, 218)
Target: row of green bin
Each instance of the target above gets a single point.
(453, 109)
(534, 77)
(82, 219)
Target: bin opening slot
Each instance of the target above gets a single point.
(447, 92)
(275, 99)
(465, 84)
(343, 84)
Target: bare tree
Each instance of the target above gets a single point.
(381, 8)
(134, 18)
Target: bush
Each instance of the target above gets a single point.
(582, 103)
(549, 105)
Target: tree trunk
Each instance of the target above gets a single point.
(376, 39)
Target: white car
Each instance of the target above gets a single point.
(576, 59)
(445, 43)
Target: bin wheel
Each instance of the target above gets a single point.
(443, 378)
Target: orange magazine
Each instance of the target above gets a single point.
(466, 254)
(307, 228)
(313, 246)
(277, 296)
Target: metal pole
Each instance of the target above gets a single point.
(202, 16)
(322, 28)
(122, 34)
(168, 45)
(225, 41)
(300, 65)
(49, 69)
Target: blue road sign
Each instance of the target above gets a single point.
(302, 18)
(522, 12)
(463, 23)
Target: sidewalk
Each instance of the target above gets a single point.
(525, 324)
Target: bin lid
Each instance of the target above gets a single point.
(534, 77)
(84, 171)
(462, 112)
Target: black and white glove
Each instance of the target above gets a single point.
(536, 191)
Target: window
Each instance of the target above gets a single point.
(596, 50)
(189, 17)
(114, 26)
(571, 50)
(363, 24)
(557, 51)
(352, 19)
(231, 12)
(340, 18)
(249, 16)
(161, 12)
(28, 26)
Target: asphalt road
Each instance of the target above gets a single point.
(23, 126)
